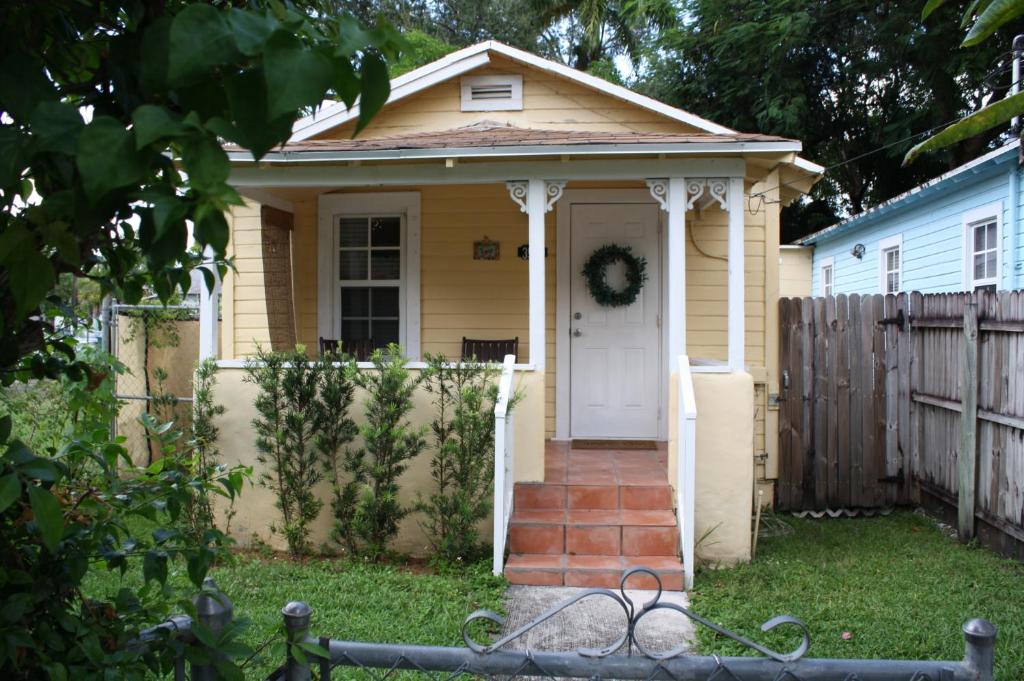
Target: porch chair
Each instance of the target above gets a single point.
(361, 350)
(489, 350)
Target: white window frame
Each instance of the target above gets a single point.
(404, 204)
(970, 219)
(514, 103)
(828, 263)
(885, 245)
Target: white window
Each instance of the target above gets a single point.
(890, 263)
(982, 252)
(827, 272)
(369, 260)
(492, 93)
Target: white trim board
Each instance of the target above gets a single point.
(481, 173)
(474, 56)
(405, 203)
(563, 283)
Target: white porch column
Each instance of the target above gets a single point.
(535, 210)
(209, 311)
(737, 336)
(536, 197)
(671, 196)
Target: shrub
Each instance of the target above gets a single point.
(463, 464)
(286, 432)
(202, 456)
(86, 509)
(336, 430)
(390, 442)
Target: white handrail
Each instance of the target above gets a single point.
(686, 466)
(503, 463)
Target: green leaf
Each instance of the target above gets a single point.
(296, 75)
(211, 228)
(55, 127)
(251, 30)
(198, 565)
(998, 13)
(250, 126)
(40, 469)
(11, 162)
(30, 276)
(47, 515)
(152, 123)
(206, 163)
(10, 489)
(154, 566)
(978, 122)
(930, 7)
(23, 85)
(376, 88)
(346, 82)
(6, 425)
(108, 157)
(200, 40)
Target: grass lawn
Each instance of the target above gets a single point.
(897, 584)
(349, 600)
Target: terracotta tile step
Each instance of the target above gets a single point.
(548, 496)
(607, 533)
(592, 571)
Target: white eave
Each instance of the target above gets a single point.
(333, 114)
(513, 151)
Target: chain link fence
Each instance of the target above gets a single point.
(159, 347)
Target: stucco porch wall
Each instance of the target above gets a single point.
(460, 296)
(255, 510)
(725, 469)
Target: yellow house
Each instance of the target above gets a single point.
(468, 209)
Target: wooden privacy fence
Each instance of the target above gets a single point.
(873, 389)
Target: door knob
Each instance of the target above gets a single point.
(578, 315)
(577, 333)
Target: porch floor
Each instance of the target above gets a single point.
(597, 513)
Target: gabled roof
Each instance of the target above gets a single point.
(499, 139)
(333, 114)
(921, 192)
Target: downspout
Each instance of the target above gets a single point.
(1013, 215)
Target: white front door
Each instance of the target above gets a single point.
(615, 352)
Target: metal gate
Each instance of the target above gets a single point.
(158, 347)
(625, 658)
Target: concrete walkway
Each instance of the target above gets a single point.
(594, 622)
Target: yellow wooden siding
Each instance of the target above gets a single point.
(549, 102)
(795, 271)
(489, 299)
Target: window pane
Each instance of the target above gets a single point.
(386, 231)
(893, 283)
(386, 264)
(990, 264)
(385, 332)
(355, 302)
(991, 241)
(354, 330)
(352, 232)
(979, 238)
(385, 301)
(979, 266)
(353, 265)
(895, 258)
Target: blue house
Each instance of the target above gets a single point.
(959, 232)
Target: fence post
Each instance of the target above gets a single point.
(979, 648)
(297, 616)
(967, 460)
(214, 611)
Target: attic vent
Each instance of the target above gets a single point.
(492, 93)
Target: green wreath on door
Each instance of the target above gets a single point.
(595, 271)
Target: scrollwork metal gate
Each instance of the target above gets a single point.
(324, 656)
